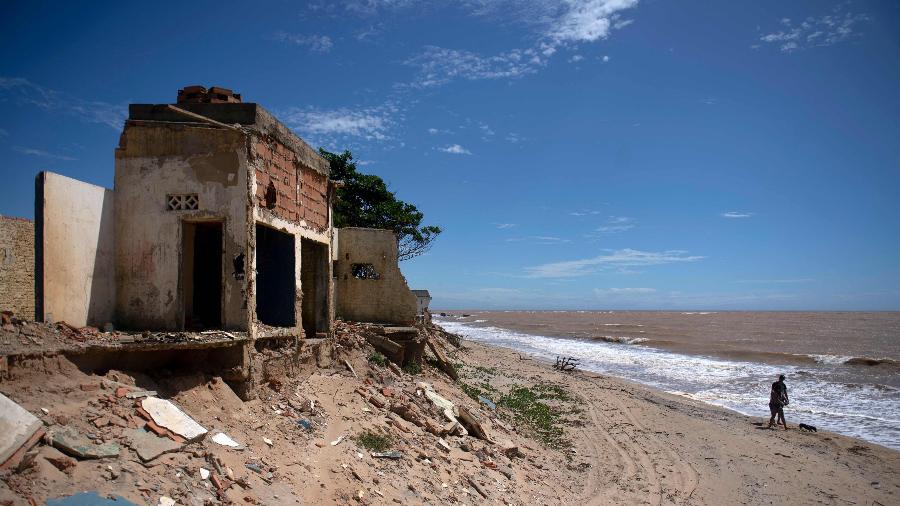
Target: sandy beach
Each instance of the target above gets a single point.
(647, 447)
(553, 438)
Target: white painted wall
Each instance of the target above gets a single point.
(78, 251)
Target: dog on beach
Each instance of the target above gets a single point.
(809, 428)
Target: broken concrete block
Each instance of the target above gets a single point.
(148, 446)
(222, 439)
(79, 446)
(16, 427)
(167, 415)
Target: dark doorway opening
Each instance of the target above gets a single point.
(314, 263)
(202, 275)
(276, 278)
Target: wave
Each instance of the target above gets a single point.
(622, 325)
(847, 360)
(620, 339)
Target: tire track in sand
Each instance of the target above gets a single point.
(651, 470)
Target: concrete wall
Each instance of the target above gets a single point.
(17, 266)
(76, 244)
(157, 159)
(384, 300)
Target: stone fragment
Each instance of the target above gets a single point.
(148, 446)
(223, 439)
(79, 446)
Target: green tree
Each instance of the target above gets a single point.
(365, 201)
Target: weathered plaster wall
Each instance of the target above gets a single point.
(77, 245)
(300, 192)
(153, 160)
(17, 266)
(384, 300)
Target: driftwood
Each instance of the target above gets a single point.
(566, 363)
(471, 423)
(442, 360)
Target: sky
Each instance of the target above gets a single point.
(579, 154)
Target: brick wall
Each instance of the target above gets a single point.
(301, 193)
(17, 266)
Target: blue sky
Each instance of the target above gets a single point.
(582, 154)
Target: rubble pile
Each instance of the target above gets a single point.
(347, 426)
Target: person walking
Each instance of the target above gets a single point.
(778, 399)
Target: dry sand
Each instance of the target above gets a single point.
(631, 444)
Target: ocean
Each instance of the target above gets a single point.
(842, 368)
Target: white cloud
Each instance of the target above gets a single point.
(502, 226)
(23, 91)
(617, 259)
(317, 43)
(433, 131)
(826, 30)
(539, 239)
(438, 65)
(588, 20)
(585, 212)
(372, 123)
(616, 224)
(576, 58)
(605, 58)
(623, 291)
(513, 138)
(3, 133)
(736, 214)
(42, 154)
(455, 149)
(776, 281)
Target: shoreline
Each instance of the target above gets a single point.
(826, 395)
(639, 445)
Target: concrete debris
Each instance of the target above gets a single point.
(141, 393)
(79, 446)
(17, 426)
(387, 455)
(165, 501)
(167, 415)
(268, 441)
(338, 440)
(223, 439)
(148, 446)
(204, 473)
(448, 407)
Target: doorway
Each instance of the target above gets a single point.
(314, 279)
(276, 277)
(202, 275)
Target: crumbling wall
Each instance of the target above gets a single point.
(369, 285)
(76, 244)
(17, 266)
(286, 186)
(156, 160)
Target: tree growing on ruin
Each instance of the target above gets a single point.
(365, 201)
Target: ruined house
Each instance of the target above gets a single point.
(220, 218)
(214, 247)
(368, 281)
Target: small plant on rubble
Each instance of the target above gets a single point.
(378, 359)
(413, 368)
(373, 441)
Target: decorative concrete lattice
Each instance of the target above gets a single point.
(182, 202)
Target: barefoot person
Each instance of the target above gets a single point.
(778, 399)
